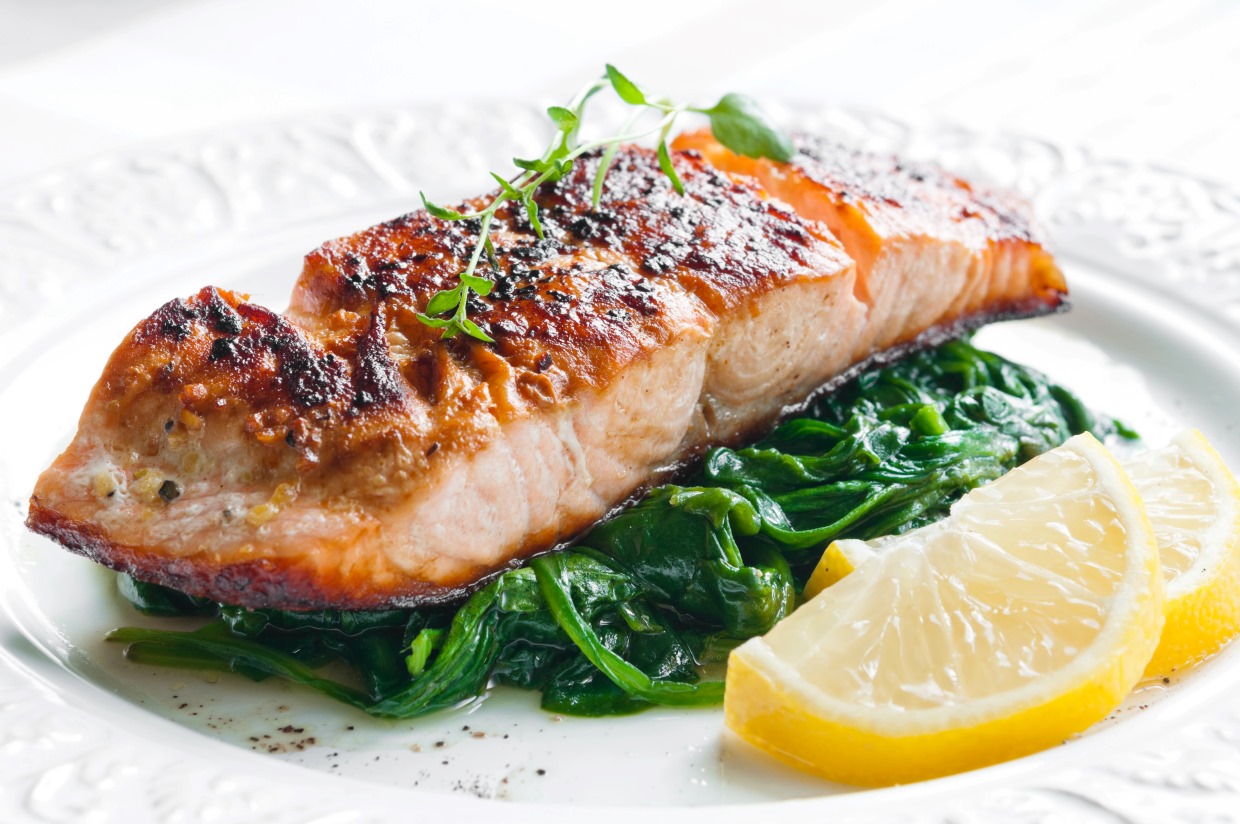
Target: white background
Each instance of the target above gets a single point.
(1132, 80)
(1140, 81)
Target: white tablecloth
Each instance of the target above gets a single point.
(1135, 81)
(1152, 81)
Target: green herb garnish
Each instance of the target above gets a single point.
(737, 122)
(627, 619)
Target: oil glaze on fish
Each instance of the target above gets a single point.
(344, 455)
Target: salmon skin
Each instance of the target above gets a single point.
(343, 455)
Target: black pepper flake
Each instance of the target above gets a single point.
(543, 363)
(222, 348)
(290, 439)
(168, 424)
(541, 771)
(224, 318)
(526, 292)
(502, 289)
(175, 319)
(535, 251)
(658, 264)
(558, 296)
(584, 228)
(432, 449)
(169, 491)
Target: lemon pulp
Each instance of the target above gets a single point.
(1193, 503)
(1022, 618)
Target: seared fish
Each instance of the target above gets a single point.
(344, 455)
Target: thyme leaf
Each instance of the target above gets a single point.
(625, 88)
(441, 212)
(738, 124)
(564, 119)
(665, 163)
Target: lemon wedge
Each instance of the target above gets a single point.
(1023, 617)
(1193, 503)
(839, 560)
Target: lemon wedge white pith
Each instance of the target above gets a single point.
(1022, 618)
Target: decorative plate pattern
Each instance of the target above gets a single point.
(69, 229)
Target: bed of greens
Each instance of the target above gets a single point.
(636, 613)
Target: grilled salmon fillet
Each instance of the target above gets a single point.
(928, 246)
(344, 455)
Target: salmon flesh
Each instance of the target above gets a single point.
(344, 455)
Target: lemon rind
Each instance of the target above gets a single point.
(768, 701)
(1203, 607)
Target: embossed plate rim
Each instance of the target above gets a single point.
(1072, 162)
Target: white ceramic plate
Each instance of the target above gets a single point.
(1152, 261)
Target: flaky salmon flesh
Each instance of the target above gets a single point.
(344, 455)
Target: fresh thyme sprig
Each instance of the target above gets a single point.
(736, 121)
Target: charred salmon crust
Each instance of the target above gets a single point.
(344, 455)
(928, 245)
(281, 580)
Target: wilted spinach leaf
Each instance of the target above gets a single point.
(625, 620)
